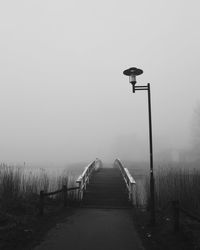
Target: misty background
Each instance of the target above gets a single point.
(64, 97)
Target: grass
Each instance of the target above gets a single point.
(172, 182)
(20, 187)
(178, 183)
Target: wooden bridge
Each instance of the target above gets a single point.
(106, 187)
(104, 220)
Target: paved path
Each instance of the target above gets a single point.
(94, 229)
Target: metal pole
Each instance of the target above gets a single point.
(152, 193)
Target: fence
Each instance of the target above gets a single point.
(64, 191)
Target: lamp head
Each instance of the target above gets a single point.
(132, 73)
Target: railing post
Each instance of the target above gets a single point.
(81, 193)
(80, 190)
(133, 194)
(65, 198)
(88, 175)
(84, 182)
(41, 203)
(87, 178)
(176, 215)
(129, 191)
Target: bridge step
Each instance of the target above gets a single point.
(106, 189)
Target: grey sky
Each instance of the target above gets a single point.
(62, 91)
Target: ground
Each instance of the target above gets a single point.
(22, 232)
(27, 232)
(95, 229)
(162, 236)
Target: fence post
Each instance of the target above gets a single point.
(41, 205)
(65, 200)
(133, 194)
(176, 215)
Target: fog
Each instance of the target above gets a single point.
(63, 94)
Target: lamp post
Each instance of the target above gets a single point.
(132, 73)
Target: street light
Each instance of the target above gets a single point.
(132, 73)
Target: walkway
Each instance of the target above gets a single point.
(94, 229)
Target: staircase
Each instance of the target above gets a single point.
(106, 189)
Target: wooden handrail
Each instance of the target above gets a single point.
(129, 180)
(53, 193)
(84, 178)
(60, 190)
(63, 190)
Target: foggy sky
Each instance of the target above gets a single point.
(63, 95)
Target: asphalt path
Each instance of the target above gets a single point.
(94, 229)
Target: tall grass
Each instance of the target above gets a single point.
(172, 182)
(20, 187)
(178, 183)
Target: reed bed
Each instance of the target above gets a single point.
(20, 187)
(172, 182)
(176, 183)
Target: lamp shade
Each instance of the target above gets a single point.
(132, 73)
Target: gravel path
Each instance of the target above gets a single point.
(94, 229)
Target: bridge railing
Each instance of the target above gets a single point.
(129, 180)
(84, 178)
